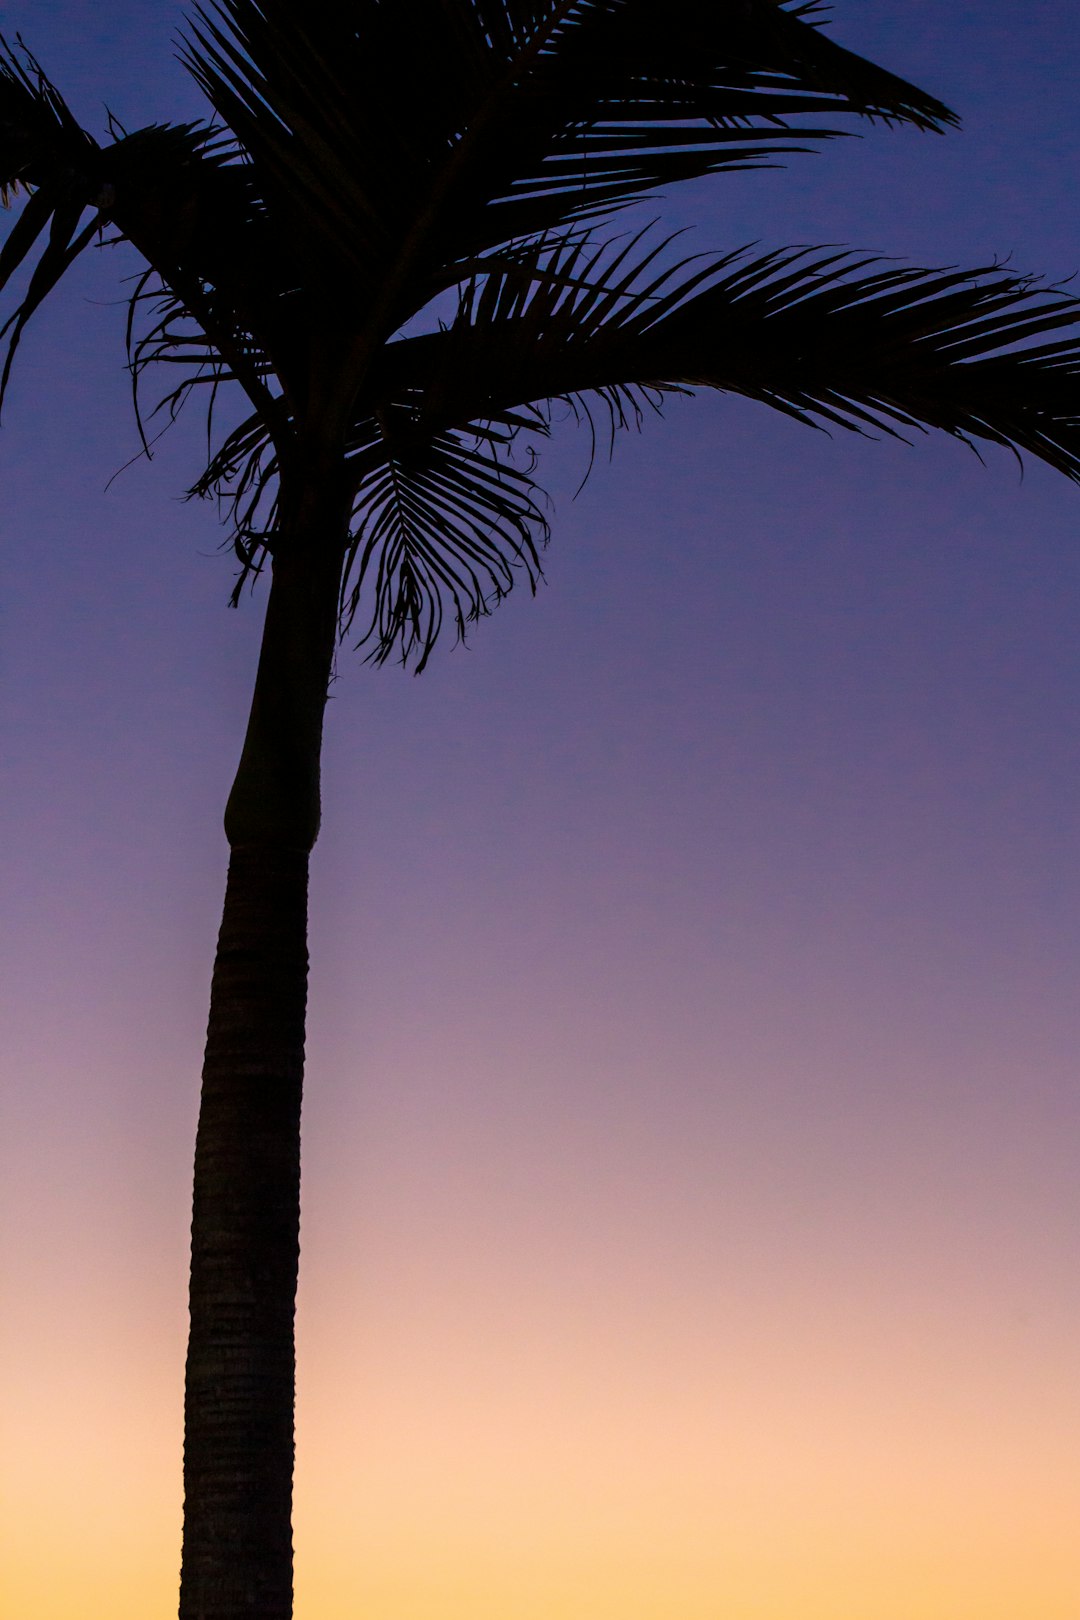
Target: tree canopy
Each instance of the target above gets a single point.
(398, 232)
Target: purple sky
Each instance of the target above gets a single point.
(691, 1201)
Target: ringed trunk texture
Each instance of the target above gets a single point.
(245, 1233)
(245, 1245)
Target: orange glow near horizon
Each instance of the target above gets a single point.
(576, 1471)
(621, 1425)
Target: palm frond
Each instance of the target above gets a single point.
(38, 131)
(621, 98)
(46, 157)
(400, 140)
(175, 192)
(825, 336)
(445, 525)
(446, 519)
(224, 278)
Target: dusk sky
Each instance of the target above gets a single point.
(691, 1202)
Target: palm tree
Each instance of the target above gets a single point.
(392, 240)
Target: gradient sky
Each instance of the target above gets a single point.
(691, 1204)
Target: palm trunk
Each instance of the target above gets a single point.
(240, 1389)
(238, 1410)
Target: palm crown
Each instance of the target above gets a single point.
(372, 163)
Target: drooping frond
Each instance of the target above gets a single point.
(51, 164)
(223, 277)
(38, 131)
(827, 337)
(444, 523)
(175, 192)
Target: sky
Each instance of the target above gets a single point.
(690, 1195)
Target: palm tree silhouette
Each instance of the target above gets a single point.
(395, 241)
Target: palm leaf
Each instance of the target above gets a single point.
(826, 337)
(38, 131)
(443, 513)
(445, 521)
(184, 201)
(45, 155)
(400, 140)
